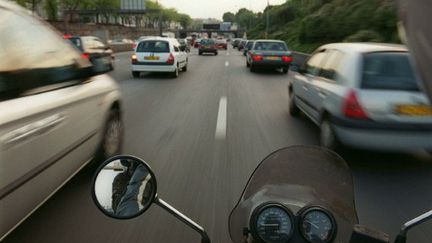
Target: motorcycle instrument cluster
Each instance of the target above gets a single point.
(274, 223)
(317, 225)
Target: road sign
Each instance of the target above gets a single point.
(132, 5)
(211, 26)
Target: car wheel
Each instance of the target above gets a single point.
(216, 53)
(247, 64)
(136, 74)
(252, 68)
(185, 68)
(175, 74)
(293, 109)
(285, 70)
(112, 137)
(328, 137)
(199, 53)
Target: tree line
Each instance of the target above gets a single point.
(105, 8)
(307, 24)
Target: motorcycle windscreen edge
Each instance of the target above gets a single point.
(298, 177)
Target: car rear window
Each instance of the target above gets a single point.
(207, 42)
(76, 41)
(154, 46)
(270, 46)
(389, 71)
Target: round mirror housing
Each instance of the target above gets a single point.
(124, 187)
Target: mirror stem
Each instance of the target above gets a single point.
(161, 203)
(401, 238)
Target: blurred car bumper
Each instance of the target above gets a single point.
(210, 50)
(384, 136)
(271, 64)
(153, 68)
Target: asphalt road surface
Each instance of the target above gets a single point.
(171, 123)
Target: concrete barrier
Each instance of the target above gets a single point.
(121, 47)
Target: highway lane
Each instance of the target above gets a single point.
(171, 123)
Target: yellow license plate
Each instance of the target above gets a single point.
(414, 110)
(152, 58)
(273, 58)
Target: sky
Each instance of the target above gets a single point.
(216, 8)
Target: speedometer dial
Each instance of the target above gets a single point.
(272, 223)
(317, 225)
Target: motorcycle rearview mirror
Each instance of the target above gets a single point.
(124, 187)
(402, 236)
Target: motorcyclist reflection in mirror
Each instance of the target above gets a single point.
(131, 189)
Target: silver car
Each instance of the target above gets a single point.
(363, 95)
(57, 113)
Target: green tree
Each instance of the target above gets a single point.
(364, 36)
(185, 20)
(104, 8)
(74, 4)
(29, 4)
(229, 17)
(51, 9)
(246, 18)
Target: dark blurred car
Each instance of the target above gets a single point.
(93, 49)
(184, 45)
(236, 42)
(248, 47)
(222, 44)
(269, 54)
(241, 45)
(208, 46)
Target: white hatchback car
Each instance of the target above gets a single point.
(159, 55)
(363, 95)
(57, 113)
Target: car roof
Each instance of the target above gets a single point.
(160, 38)
(365, 47)
(14, 7)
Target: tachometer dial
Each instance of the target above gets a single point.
(272, 223)
(317, 225)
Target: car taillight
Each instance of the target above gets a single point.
(85, 56)
(134, 45)
(287, 59)
(134, 58)
(171, 59)
(351, 107)
(67, 36)
(257, 58)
